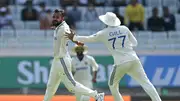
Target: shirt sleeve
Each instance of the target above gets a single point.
(62, 31)
(94, 65)
(92, 38)
(67, 30)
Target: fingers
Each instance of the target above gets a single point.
(67, 36)
(72, 31)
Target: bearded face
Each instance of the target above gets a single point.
(57, 19)
(55, 23)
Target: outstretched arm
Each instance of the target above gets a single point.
(73, 37)
(70, 36)
(91, 38)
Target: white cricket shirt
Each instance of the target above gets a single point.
(119, 40)
(83, 69)
(60, 42)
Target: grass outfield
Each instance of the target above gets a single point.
(55, 98)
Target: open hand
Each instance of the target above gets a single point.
(70, 35)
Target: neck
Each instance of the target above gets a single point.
(80, 57)
(60, 24)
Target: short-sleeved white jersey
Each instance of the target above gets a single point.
(60, 42)
(119, 40)
(83, 68)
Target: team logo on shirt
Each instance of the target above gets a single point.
(81, 68)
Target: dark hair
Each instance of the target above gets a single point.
(60, 11)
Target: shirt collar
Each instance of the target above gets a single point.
(60, 24)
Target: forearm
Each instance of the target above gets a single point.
(94, 74)
(83, 38)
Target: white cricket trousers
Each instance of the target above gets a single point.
(80, 97)
(61, 72)
(135, 70)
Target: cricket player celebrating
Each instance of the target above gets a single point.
(61, 64)
(82, 64)
(120, 42)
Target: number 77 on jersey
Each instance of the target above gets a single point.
(113, 40)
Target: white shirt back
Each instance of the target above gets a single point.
(119, 41)
(60, 42)
(83, 68)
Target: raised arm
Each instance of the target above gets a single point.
(91, 38)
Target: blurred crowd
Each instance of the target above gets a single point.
(134, 16)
